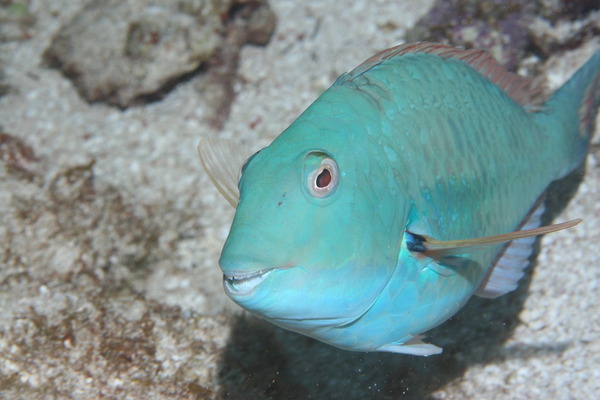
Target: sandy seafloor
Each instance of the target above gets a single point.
(149, 153)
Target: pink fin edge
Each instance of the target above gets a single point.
(521, 89)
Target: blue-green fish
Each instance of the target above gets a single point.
(414, 182)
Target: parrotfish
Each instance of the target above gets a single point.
(414, 182)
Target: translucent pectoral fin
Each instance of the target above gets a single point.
(433, 247)
(222, 159)
(415, 347)
(506, 271)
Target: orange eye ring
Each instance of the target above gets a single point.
(323, 180)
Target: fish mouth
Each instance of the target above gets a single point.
(242, 284)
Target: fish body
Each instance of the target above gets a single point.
(421, 141)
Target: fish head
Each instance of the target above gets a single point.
(305, 248)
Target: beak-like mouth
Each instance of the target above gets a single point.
(242, 284)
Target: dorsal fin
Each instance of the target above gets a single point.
(521, 89)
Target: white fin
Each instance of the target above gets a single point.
(507, 270)
(415, 347)
(222, 159)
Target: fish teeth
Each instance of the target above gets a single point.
(243, 284)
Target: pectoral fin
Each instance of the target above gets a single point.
(222, 159)
(436, 248)
(504, 274)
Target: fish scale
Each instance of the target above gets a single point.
(432, 160)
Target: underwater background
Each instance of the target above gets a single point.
(110, 231)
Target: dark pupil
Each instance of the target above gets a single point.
(324, 179)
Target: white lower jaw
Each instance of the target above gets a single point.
(243, 284)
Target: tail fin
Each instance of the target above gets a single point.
(571, 112)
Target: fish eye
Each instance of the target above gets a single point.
(323, 180)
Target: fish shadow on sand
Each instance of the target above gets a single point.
(262, 361)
